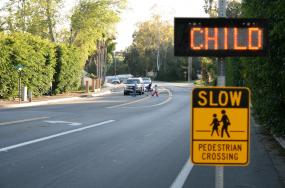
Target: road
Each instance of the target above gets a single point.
(115, 141)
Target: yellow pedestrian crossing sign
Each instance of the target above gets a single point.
(220, 126)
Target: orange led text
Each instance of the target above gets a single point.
(206, 38)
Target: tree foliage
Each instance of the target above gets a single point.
(93, 20)
(38, 17)
(152, 50)
(266, 76)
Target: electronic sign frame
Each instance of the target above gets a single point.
(183, 31)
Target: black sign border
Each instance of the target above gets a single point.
(181, 36)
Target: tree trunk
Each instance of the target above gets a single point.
(49, 20)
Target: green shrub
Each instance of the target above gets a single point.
(68, 69)
(8, 73)
(35, 54)
(266, 76)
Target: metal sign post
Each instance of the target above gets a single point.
(220, 128)
(219, 171)
(190, 60)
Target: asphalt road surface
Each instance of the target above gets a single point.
(115, 141)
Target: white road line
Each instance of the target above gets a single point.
(132, 102)
(23, 120)
(64, 122)
(154, 105)
(182, 176)
(53, 136)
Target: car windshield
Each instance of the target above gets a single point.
(132, 81)
(146, 81)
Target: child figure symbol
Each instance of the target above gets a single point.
(215, 123)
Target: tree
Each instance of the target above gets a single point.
(153, 38)
(38, 17)
(152, 51)
(210, 7)
(235, 67)
(233, 9)
(266, 76)
(2, 23)
(93, 21)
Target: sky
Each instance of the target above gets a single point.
(141, 10)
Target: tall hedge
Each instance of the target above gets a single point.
(8, 74)
(35, 54)
(234, 72)
(68, 69)
(266, 76)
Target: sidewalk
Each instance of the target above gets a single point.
(274, 150)
(44, 100)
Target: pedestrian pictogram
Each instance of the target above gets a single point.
(215, 124)
(220, 126)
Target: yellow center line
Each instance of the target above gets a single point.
(23, 120)
(129, 103)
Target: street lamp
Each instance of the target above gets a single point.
(19, 68)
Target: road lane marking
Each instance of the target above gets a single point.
(182, 176)
(23, 120)
(162, 103)
(64, 122)
(132, 102)
(154, 105)
(53, 136)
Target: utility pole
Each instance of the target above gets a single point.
(219, 171)
(221, 63)
(115, 63)
(190, 60)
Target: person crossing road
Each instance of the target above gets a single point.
(155, 91)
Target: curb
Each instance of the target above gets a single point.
(52, 101)
(281, 141)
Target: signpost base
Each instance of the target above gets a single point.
(219, 179)
(221, 80)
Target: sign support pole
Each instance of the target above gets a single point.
(190, 69)
(219, 171)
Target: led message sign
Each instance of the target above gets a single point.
(220, 37)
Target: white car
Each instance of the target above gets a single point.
(146, 82)
(116, 81)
